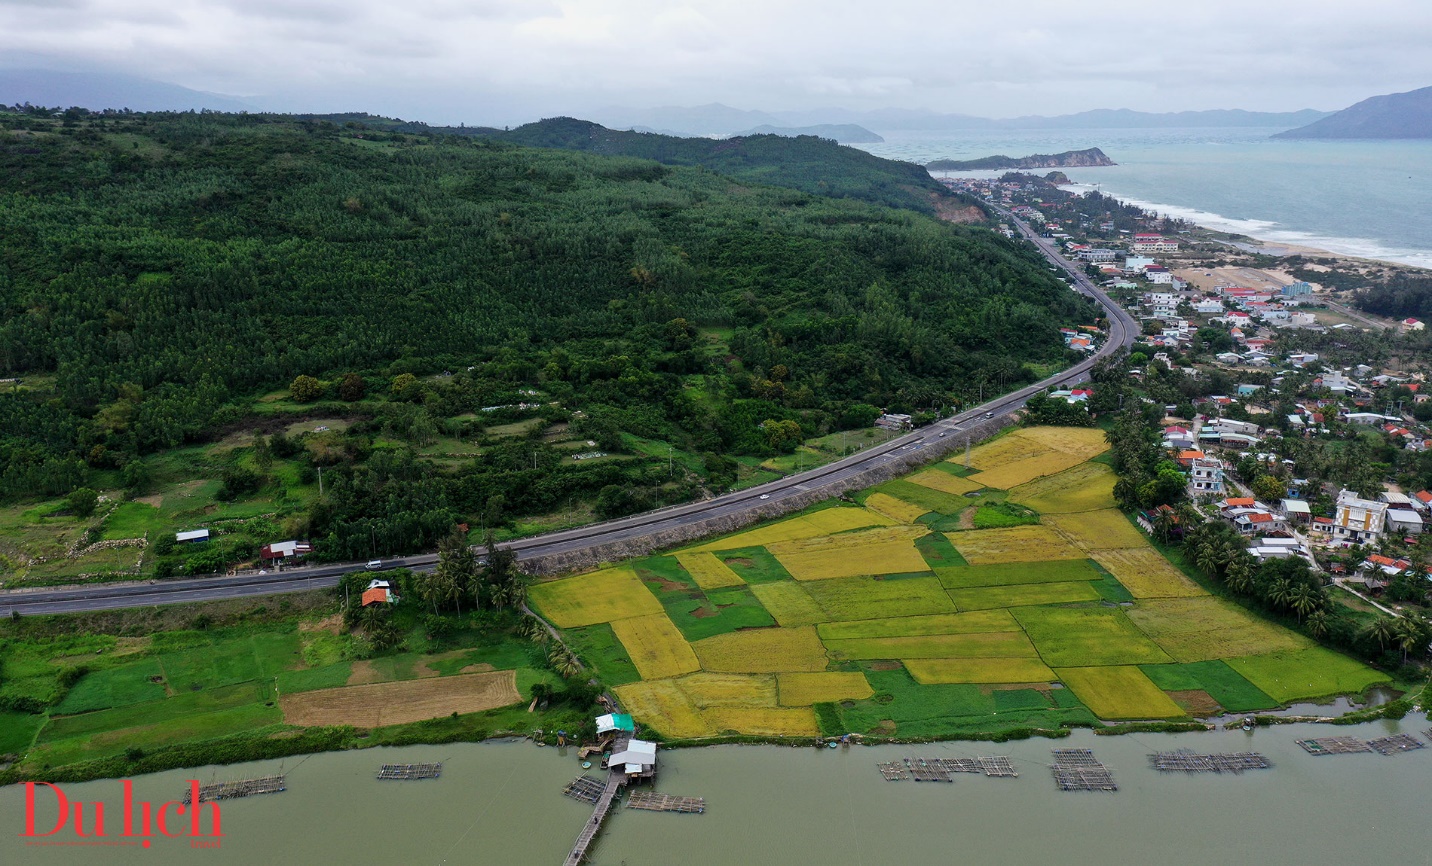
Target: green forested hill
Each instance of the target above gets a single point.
(161, 272)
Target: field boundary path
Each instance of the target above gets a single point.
(588, 546)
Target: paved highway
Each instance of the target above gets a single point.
(110, 596)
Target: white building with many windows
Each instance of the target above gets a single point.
(1358, 520)
(1205, 477)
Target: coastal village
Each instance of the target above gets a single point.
(1253, 400)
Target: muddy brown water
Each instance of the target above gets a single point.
(500, 803)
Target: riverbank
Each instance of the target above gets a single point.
(501, 803)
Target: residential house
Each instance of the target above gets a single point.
(1096, 255)
(1297, 511)
(1358, 520)
(1136, 264)
(1205, 477)
(1404, 521)
(1298, 289)
(1208, 306)
(1422, 500)
(894, 422)
(379, 592)
(192, 536)
(1412, 325)
(1158, 274)
(282, 551)
(1146, 243)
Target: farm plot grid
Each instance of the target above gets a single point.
(890, 615)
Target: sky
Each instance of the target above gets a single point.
(510, 61)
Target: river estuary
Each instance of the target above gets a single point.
(500, 803)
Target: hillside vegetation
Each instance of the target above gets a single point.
(208, 308)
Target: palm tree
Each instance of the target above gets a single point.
(1280, 594)
(1410, 636)
(1240, 576)
(1318, 624)
(1207, 556)
(1383, 630)
(1164, 522)
(1305, 599)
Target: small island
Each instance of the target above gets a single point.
(1087, 158)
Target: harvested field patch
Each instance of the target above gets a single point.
(1104, 529)
(976, 622)
(1018, 573)
(1006, 644)
(986, 597)
(655, 646)
(1082, 636)
(789, 603)
(1015, 544)
(398, 703)
(802, 690)
(1315, 672)
(1146, 574)
(602, 596)
(986, 670)
(707, 690)
(1120, 693)
(761, 721)
(1202, 628)
(1026, 470)
(1225, 685)
(895, 509)
(944, 482)
(661, 704)
(708, 571)
(853, 598)
(820, 523)
(1086, 487)
(762, 651)
(1196, 702)
(1084, 442)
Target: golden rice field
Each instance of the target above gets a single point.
(888, 627)
(895, 509)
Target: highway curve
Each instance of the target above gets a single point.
(111, 596)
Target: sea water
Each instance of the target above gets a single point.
(500, 804)
(1357, 198)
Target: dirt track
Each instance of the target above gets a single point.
(369, 706)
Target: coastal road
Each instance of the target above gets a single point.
(112, 596)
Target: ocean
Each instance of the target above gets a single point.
(1359, 198)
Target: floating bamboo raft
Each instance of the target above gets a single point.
(928, 770)
(234, 790)
(893, 771)
(1334, 746)
(585, 788)
(665, 803)
(410, 771)
(1187, 761)
(940, 769)
(1396, 744)
(1078, 770)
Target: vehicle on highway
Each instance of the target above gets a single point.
(374, 564)
(989, 414)
(765, 496)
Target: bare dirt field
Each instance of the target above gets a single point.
(370, 706)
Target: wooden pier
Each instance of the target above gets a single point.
(1078, 770)
(665, 802)
(599, 814)
(1396, 744)
(234, 790)
(410, 771)
(585, 788)
(1187, 761)
(1334, 746)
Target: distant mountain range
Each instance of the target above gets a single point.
(100, 91)
(1396, 115)
(1068, 159)
(845, 133)
(720, 120)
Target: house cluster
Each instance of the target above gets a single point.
(1081, 339)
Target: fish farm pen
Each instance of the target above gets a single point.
(1187, 761)
(654, 802)
(940, 769)
(1395, 744)
(1078, 770)
(409, 771)
(234, 790)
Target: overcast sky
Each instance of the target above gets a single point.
(507, 61)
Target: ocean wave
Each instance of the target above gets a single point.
(1272, 233)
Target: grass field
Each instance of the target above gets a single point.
(399, 703)
(602, 596)
(1120, 692)
(1084, 636)
(1085, 487)
(1013, 574)
(804, 689)
(655, 646)
(708, 571)
(979, 670)
(761, 651)
(1146, 573)
(1315, 672)
(1227, 687)
(987, 597)
(1203, 628)
(929, 498)
(754, 565)
(855, 598)
(944, 482)
(998, 644)
(1092, 530)
(889, 550)
(1016, 544)
(789, 603)
(116, 687)
(895, 509)
(598, 646)
(975, 622)
(938, 552)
